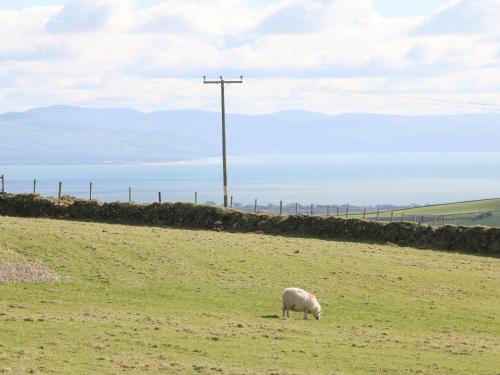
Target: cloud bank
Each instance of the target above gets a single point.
(323, 55)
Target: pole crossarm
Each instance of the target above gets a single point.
(222, 80)
(222, 84)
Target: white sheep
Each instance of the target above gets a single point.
(299, 300)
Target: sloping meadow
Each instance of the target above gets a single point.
(477, 239)
(137, 299)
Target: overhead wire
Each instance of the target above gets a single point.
(328, 89)
(95, 102)
(276, 83)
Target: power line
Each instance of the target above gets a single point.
(96, 102)
(328, 89)
(315, 87)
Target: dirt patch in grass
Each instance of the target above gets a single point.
(29, 272)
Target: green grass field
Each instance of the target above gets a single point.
(137, 299)
(462, 209)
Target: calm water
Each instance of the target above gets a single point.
(360, 179)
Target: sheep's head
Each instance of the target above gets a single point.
(317, 315)
(316, 311)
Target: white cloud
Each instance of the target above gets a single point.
(296, 17)
(95, 48)
(464, 17)
(92, 16)
(205, 17)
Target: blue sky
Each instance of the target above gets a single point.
(335, 56)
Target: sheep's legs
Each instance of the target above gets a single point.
(286, 310)
(305, 315)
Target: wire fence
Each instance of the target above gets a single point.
(404, 214)
(382, 213)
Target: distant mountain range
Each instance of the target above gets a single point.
(62, 135)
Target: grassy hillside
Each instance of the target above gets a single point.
(134, 299)
(467, 210)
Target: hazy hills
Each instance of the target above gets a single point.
(79, 135)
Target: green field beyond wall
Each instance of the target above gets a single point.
(479, 212)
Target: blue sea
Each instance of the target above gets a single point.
(357, 179)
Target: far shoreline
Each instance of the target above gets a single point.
(212, 160)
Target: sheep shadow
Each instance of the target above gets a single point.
(270, 316)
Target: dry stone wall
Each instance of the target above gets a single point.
(480, 240)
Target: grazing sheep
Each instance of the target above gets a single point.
(299, 300)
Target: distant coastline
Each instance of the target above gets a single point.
(264, 158)
(103, 136)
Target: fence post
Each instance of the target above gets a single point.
(231, 205)
(296, 209)
(443, 220)
(312, 209)
(454, 222)
(255, 205)
(195, 197)
(159, 197)
(347, 212)
(364, 213)
(60, 190)
(90, 191)
(327, 210)
(415, 218)
(378, 214)
(338, 211)
(2, 177)
(392, 216)
(403, 217)
(435, 220)
(129, 195)
(281, 208)
(34, 186)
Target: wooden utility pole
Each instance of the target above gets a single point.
(222, 84)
